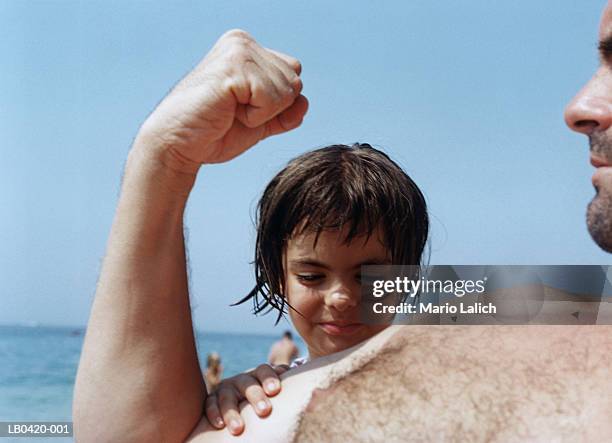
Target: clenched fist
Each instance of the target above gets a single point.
(239, 94)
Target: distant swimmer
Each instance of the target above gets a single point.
(284, 351)
(214, 371)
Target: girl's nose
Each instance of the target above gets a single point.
(341, 299)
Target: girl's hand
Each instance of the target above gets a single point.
(255, 386)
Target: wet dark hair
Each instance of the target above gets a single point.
(355, 186)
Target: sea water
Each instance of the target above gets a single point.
(38, 366)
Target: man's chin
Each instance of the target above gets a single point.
(599, 220)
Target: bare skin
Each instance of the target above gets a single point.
(298, 387)
(283, 352)
(446, 383)
(590, 113)
(473, 383)
(139, 355)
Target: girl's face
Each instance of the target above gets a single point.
(323, 285)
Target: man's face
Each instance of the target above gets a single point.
(590, 113)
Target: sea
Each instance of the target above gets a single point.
(38, 366)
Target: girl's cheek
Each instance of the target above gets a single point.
(307, 304)
(304, 299)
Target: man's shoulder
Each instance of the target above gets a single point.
(511, 382)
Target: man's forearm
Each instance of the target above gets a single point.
(139, 374)
(139, 377)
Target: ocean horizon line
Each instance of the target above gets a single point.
(82, 328)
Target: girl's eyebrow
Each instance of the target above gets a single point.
(309, 262)
(318, 264)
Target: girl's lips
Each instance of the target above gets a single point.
(340, 329)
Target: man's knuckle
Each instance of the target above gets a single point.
(296, 84)
(238, 55)
(238, 34)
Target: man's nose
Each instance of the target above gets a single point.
(342, 298)
(591, 109)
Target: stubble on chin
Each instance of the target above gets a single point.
(599, 219)
(599, 212)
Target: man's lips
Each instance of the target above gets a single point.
(340, 328)
(599, 162)
(603, 170)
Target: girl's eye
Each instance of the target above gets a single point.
(309, 278)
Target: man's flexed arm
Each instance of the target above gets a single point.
(139, 377)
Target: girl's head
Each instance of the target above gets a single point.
(328, 212)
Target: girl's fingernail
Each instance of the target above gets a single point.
(271, 386)
(261, 405)
(234, 425)
(219, 421)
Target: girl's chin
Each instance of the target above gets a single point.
(330, 344)
(337, 343)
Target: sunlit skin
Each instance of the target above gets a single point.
(590, 113)
(139, 377)
(323, 287)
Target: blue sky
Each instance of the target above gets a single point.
(467, 96)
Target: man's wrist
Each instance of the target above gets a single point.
(161, 145)
(162, 165)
